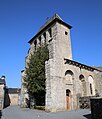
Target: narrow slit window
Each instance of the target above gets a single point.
(35, 43)
(91, 88)
(50, 32)
(40, 40)
(44, 36)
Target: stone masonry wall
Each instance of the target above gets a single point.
(57, 51)
(60, 76)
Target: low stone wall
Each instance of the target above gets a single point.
(96, 107)
(84, 102)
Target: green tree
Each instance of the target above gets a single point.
(35, 75)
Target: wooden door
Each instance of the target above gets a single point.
(67, 102)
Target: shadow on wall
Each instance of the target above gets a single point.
(0, 114)
(6, 98)
(88, 116)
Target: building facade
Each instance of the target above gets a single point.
(66, 80)
(14, 95)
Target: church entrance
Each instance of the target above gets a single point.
(68, 99)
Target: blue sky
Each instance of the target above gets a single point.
(21, 19)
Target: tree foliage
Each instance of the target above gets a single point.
(35, 74)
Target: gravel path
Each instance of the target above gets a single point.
(15, 112)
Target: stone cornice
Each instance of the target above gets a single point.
(80, 65)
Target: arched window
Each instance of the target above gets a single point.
(83, 84)
(35, 44)
(40, 40)
(44, 34)
(50, 32)
(68, 92)
(69, 77)
(91, 85)
(68, 72)
(81, 77)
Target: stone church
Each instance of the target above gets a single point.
(66, 80)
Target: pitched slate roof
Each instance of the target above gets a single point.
(52, 20)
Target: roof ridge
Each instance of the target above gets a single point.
(55, 16)
(48, 23)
